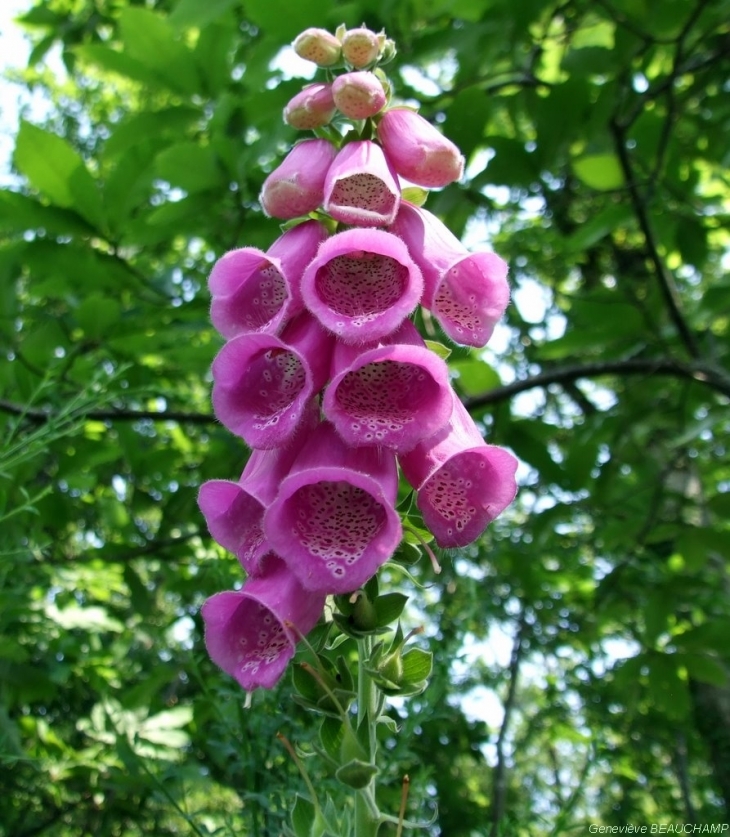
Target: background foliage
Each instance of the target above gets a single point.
(596, 134)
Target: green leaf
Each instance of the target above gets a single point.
(599, 171)
(189, 13)
(149, 39)
(598, 227)
(54, 168)
(97, 314)
(190, 166)
(667, 690)
(302, 817)
(417, 665)
(116, 61)
(282, 17)
(19, 213)
(703, 668)
(331, 733)
(154, 126)
(696, 545)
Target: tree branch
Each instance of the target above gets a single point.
(699, 372)
(666, 280)
(39, 416)
(499, 793)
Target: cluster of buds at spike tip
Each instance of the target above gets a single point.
(326, 377)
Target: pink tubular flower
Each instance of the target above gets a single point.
(234, 516)
(234, 511)
(394, 395)
(462, 483)
(361, 188)
(362, 284)
(248, 633)
(319, 46)
(358, 95)
(333, 520)
(263, 383)
(418, 151)
(296, 187)
(311, 108)
(257, 291)
(466, 292)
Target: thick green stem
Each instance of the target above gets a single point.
(367, 816)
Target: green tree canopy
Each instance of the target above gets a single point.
(596, 143)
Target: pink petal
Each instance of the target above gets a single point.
(247, 632)
(462, 483)
(362, 284)
(262, 384)
(394, 395)
(358, 95)
(334, 520)
(234, 511)
(256, 291)
(419, 151)
(296, 187)
(311, 108)
(361, 188)
(466, 292)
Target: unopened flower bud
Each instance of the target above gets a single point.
(310, 109)
(417, 150)
(360, 47)
(318, 45)
(388, 51)
(359, 95)
(296, 187)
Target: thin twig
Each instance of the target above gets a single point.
(499, 794)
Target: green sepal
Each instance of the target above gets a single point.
(418, 196)
(389, 607)
(365, 612)
(357, 774)
(444, 352)
(407, 554)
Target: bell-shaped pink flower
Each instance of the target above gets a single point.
(319, 46)
(362, 284)
(263, 383)
(234, 516)
(358, 95)
(361, 46)
(311, 108)
(462, 483)
(361, 188)
(333, 520)
(249, 633)
(394, 394)
(257, 291)
(466, 292)
(296, 187)
(234, 511)
(419, 151)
